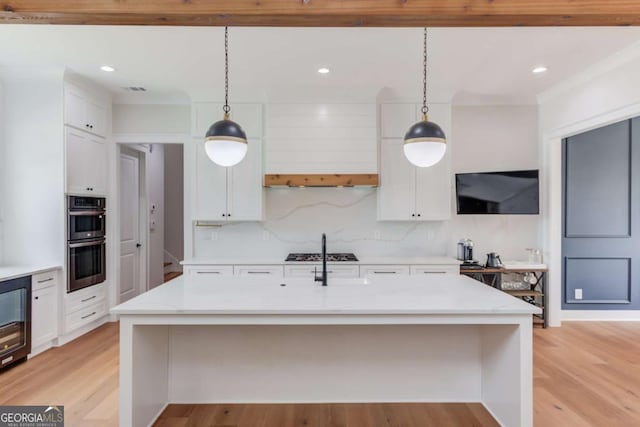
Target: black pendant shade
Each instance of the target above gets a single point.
(226, 129)
(425, 131)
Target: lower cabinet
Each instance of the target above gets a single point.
(44, 310)
(309, 270)
(258, 270)
(84, 306)
(384, 270)
(435, 269)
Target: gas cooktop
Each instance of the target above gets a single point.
(318, 257)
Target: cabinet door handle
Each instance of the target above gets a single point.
(88, 299)
(258, 272)
(88, 315)
(207, 272)
(419, 215)
(224, 214)
(413, 214)
(434, 272)
(45, 280)
(228, 214)
(385, 272)
(36, 297)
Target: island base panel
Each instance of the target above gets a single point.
(163, 364)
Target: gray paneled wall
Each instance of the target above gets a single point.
(601, 245)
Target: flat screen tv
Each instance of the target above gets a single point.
(506, 193)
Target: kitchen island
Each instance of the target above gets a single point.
(440, 338)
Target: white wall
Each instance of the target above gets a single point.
(606, 93)
(174, 204)
(483, 139)
(151, 119)
(32, 173)
(155, 203)
(3, 159)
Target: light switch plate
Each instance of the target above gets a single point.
(578, 294)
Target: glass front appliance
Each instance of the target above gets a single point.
(87, 219)
(86, 264)
(15, 320)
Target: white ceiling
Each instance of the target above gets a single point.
(465, 62)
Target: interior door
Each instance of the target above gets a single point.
(600, 243)
(130, 279)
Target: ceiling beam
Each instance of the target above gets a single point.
(324, 13)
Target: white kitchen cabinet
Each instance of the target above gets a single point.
(84, 110)
(44, 310)
(86, 163)
(333, 270)
(229, 194)
(209, 270)
(434, 269)
(248, 116)
(258, 270)
(384, 270)
(406, 192)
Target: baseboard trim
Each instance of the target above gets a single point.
(601, 315)
(158, 415)
(67, 338)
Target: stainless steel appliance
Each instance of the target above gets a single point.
(87, 218)
(15, 320)
(465, 250)
(86, 254)
(493, 260)
(317, 257)
(87, 264)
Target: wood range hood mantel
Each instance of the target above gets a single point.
(321, 180)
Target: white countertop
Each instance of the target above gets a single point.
(444, 294)
(14, 271)
(361, 261)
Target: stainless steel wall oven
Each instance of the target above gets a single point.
(86, 257)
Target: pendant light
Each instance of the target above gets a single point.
(226, 142)
(425, 142)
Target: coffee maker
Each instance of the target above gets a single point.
(465, 253)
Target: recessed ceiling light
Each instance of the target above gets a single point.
(323, 70)
(539, 69)
(107, 68)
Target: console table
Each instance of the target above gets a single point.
(536, 294)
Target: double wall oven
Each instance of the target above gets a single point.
(86, 242)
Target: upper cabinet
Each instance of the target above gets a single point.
(229, 194)
(406, 192)
(86, 163)
(85, 111)
(248, 116)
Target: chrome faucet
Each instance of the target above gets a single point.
(323, 277)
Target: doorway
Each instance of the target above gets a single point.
(151, 199)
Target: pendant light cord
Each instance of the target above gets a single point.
(425, 109)
(226, 107)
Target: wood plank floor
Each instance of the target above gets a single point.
(585, 374)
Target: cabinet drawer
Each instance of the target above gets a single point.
(333, 270)
(384, 270)
(435, 269)
(258, 270)
(218, 270)
(85, 297)
(44, 280)
(85, 316)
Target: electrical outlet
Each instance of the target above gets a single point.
(376, 235)
(578, 294)
(214, 234)
(265, 235)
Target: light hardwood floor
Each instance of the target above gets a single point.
(585, 374)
